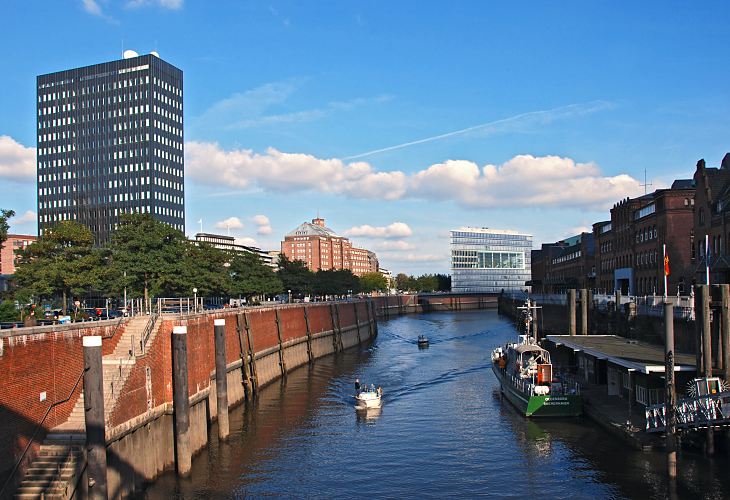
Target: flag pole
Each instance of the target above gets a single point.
(664, 251)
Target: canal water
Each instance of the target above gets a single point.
(443, 431)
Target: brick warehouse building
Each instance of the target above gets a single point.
(322, 249)
(629, 247)
(569, 263)
(712, 218)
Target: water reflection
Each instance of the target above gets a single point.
(442, 416)
(368, 415)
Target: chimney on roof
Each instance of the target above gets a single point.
(726, 161)
(318, 221)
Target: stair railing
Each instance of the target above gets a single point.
(148, 329)
(38, 427)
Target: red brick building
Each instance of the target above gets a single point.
(629, 248)
(712, 218)
(321, 248)
(7, 254)
(565, 264)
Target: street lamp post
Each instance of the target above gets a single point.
(195, 299)
(289, 301)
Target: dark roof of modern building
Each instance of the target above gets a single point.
(631, 354)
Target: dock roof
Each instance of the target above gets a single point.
(631, 354)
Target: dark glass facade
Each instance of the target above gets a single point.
(110, 141)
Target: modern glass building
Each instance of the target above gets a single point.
(110, 141)
(489, 260)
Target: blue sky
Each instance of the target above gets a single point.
(397, 121)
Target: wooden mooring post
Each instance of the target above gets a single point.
(309, 334)
(180, 398)
(221, 377)
(94, 417)
(571, 311)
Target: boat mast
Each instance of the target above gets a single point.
(529, 307)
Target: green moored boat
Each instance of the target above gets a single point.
(526, 378)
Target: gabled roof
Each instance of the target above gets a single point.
(309, 229)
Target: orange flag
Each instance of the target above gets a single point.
(666, 265)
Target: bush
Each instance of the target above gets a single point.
(8, 312)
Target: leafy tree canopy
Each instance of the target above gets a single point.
(370, 282)
(5, 215)
(63, 261)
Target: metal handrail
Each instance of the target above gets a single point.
(35, 432)
(48, 411)
(148, 331)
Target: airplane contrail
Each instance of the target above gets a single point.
(550, 114)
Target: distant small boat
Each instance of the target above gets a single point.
(369, 398)
(422, 341)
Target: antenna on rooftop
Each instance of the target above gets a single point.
(645, 183)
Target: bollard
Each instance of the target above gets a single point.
(670, 397)
(571, 311)
(94, 417)
(583, 311)
(181, 402)
(221, 376)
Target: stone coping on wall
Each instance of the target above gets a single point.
(58, 328)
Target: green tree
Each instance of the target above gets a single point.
(370, 282)
(203, 267)
(402, 281)
(295, 276)
(444, 282)
(63, 261)
(335, 282)
(5, 215)
(150, 258)
(250, 277)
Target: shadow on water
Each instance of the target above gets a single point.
(443, 431)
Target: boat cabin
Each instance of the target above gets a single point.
(531, 361)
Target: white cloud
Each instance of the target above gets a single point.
(165, 4)
(412, 257)
(394, 230)
(92, 7)
(260, 220)
(284, 172)
(525, 180)
(398, 245)
(17, 162)
(28, 217)
(263, 223)
(229, 223)
(249, 242)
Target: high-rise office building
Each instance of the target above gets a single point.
(489, 260)
(110, 141)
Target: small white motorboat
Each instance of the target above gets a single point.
(422, 341)
(369, 398)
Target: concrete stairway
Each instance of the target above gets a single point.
(52, 474)
(56, 471)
